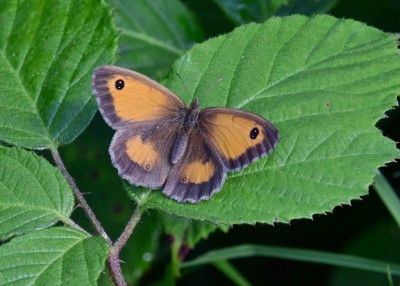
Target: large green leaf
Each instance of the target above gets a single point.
(33, 193)
(324, 83)
(154, 34)
(54, 256)
(48, 50)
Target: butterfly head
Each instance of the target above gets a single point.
(194, 104)
(192, 114)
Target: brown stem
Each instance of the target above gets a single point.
(130, 226)
(115, 268)
(113, 257)
(79, 196)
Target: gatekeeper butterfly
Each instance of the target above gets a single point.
(161, 143)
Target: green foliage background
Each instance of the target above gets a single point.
(333, 232)
(350, 229)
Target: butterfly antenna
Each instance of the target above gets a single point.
(212, 86)
(208, 89)
(187, 90)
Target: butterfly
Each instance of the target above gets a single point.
(161, 143)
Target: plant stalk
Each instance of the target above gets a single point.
(115, 268)
(88, 211)
(113, 257)
(121, 241)
(115, 248)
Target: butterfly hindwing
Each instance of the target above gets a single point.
(239, 137)
(198, 174)
(142, 154)
(125, 97)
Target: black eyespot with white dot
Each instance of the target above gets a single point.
(119, 84)
(183, 179)
(147, 167)
(254, 133)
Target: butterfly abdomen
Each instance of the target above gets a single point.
(188, 119)
(179, 146)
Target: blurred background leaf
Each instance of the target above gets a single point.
(154, 33)
(184, 234)
(245, 11)
(363, 243)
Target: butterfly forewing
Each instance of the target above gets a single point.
(126, 97)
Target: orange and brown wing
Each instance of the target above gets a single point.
(198, 175)
(238, 136)
(126, 97)
(142, 155)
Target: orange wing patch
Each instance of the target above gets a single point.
(143, 154)
(197, 172)
(198, 175)
(231, 134)
(142, 162)
(137, 100)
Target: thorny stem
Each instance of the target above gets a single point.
(113, 256)
(79, 196)
(115, 269)
(121, 241)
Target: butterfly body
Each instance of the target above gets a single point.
(188, 121)
(161, 143)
